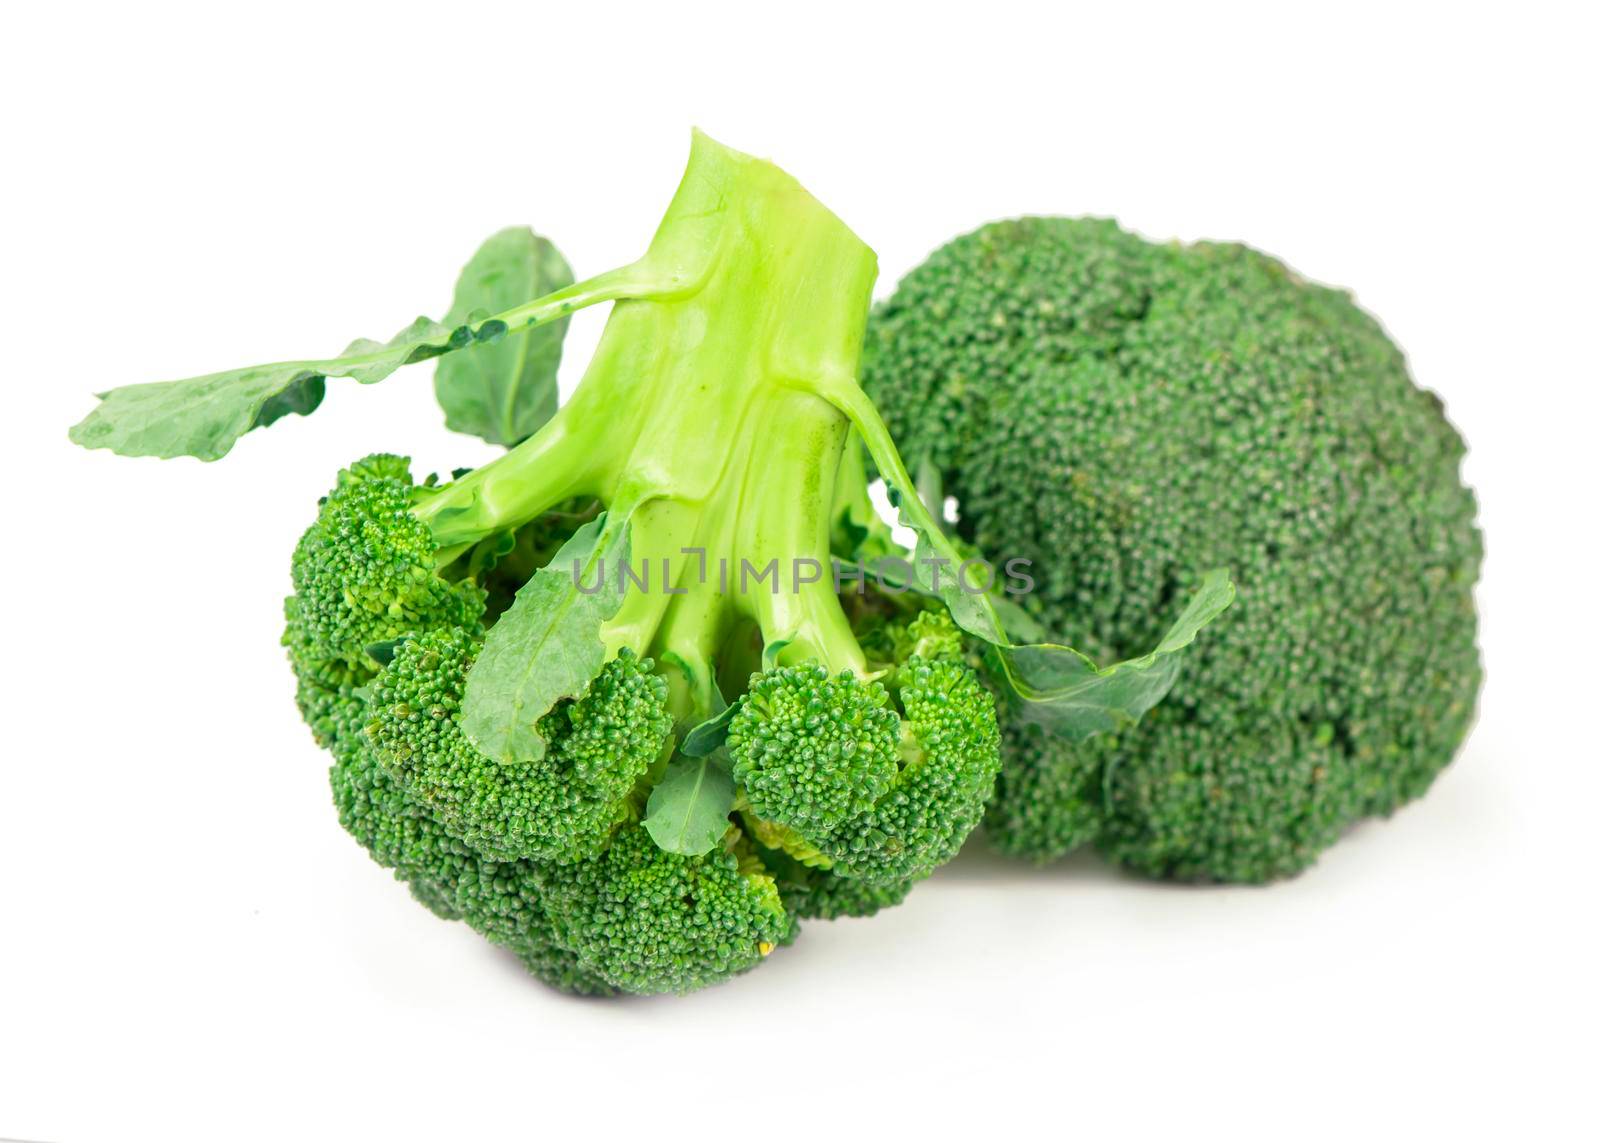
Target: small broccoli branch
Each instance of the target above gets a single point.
(859, 534)
(550, 467)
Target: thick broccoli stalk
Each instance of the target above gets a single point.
(1124, 414)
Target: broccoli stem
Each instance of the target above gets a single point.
(689, 425)
(549, 467)
(844, 392)
(791, 519)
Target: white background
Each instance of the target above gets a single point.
(189, 946)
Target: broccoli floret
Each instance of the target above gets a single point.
(560, 808)
(813, 752)
(929, 634)
(868, 768)
(652, 921)
(1124, 414)
(950, 756)
(326, 691)
(857, 787)
(364, 574)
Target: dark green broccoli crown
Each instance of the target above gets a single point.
(651, 921)
(903, 790)
(1125, 415)
(560, 808)
(364, 572)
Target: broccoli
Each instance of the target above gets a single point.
(563, 779)
(607, 698)
(1123, 413)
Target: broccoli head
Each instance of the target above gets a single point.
(1123, 414)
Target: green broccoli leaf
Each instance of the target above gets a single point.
(383, 653)
(1057, 686)
(1017, 621)
(204, 416)
(688, 810)
(503, 391)
(302, 397)
(1064, 690)
(708, 736)
(487, 553)
(546, 647)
